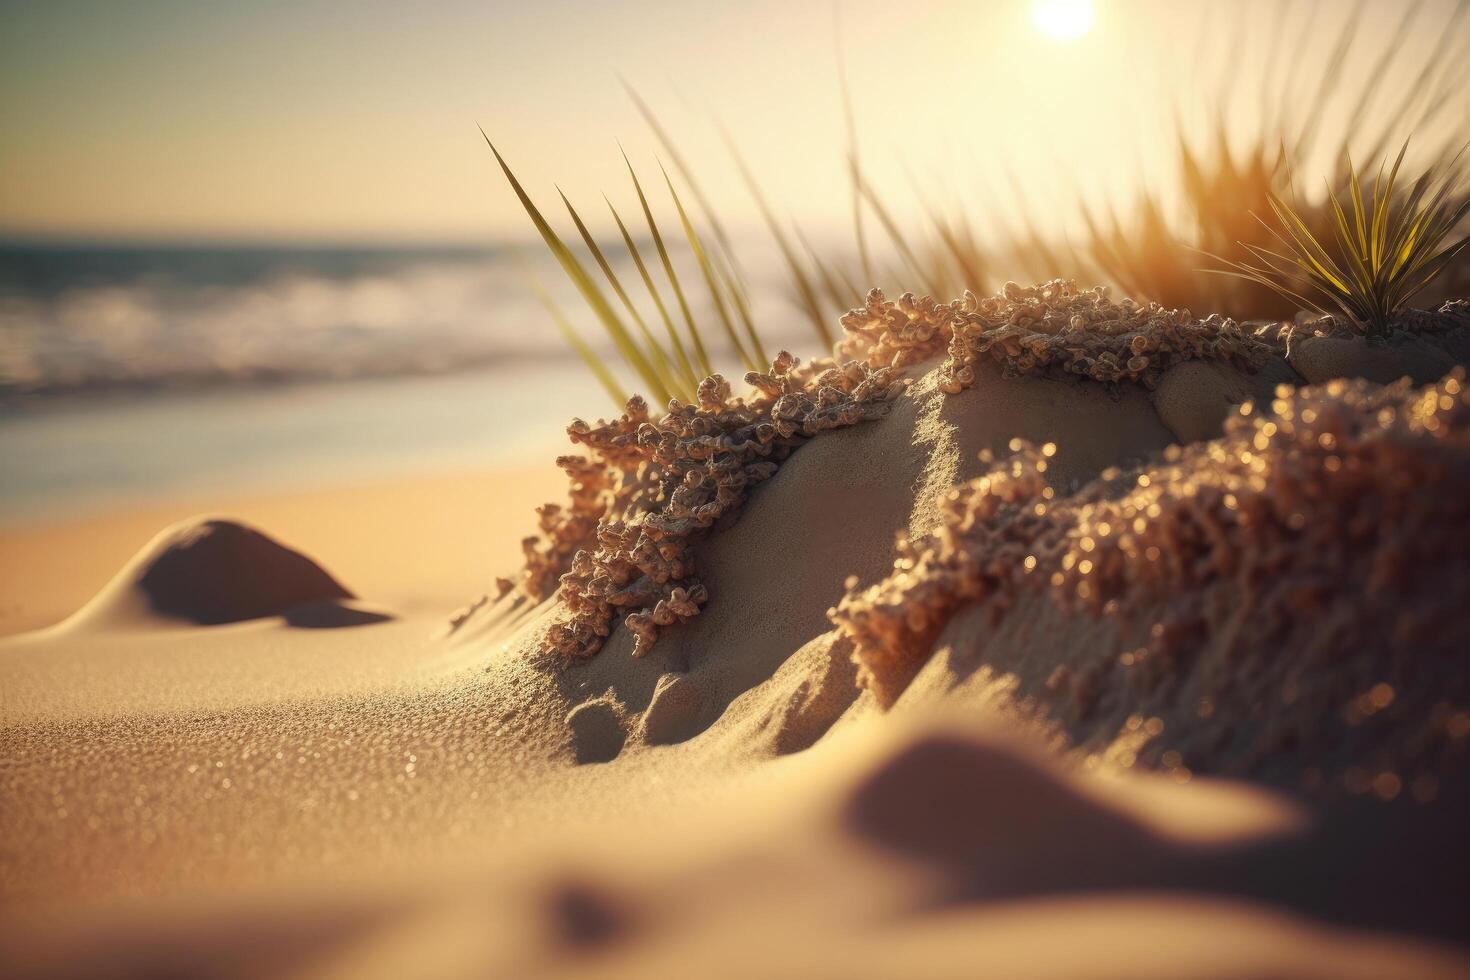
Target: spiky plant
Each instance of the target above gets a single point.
(1385, 248)
(1155, 258)
(1151, 253)
(1148, 254)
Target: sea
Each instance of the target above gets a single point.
(138, 371)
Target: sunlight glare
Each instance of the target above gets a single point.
(1064, 20)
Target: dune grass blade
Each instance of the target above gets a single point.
(1152, 255)
(575, 341)
(701, 356)
(741, 303)
(654, 353)
(910, 259)
(676, 345)
(841, 292)
(963, 252)
(1053, 257)
(805, 293)
(723, 255)
(701, 259)
(686, 174)
(581, 279)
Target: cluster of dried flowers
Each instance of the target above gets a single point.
(1054, 327)
(1317, 543)
(652, 484)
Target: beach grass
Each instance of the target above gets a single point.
(1388, 247)
(1364, 256)
(1152, 251)
(670, 367)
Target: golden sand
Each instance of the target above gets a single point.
(1304, 571)
(371, 788)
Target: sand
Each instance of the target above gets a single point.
(377, 787)
(420, 544)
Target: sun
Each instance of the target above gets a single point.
(1064, 20)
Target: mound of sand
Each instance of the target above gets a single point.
(830, 512)
(1282, 603)
(836, 508)
(210, 571)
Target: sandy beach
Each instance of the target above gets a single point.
(828, 490)
(401, 780)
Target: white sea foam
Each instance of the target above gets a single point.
(87, 319)
(411, 315)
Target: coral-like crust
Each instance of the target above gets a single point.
(1054, 327)
(652, 485)
(1342, 506)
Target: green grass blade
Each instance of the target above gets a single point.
(1390, 250)
(589, 357)
(701, 356)
(729, 277)
(966, 260)
(701, 259)
(1355, 198)
(841, 293)
(1353, 256)
(686, 174)
(911, 260)
(686, 369)
(652, 350)
(806, 294)
(1381, 204)
(741, 302)
(580, 278)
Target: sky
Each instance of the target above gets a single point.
(338, 121)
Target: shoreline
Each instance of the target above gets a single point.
(91, 459)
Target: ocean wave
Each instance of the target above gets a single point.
(104, 319)
(246, 319)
